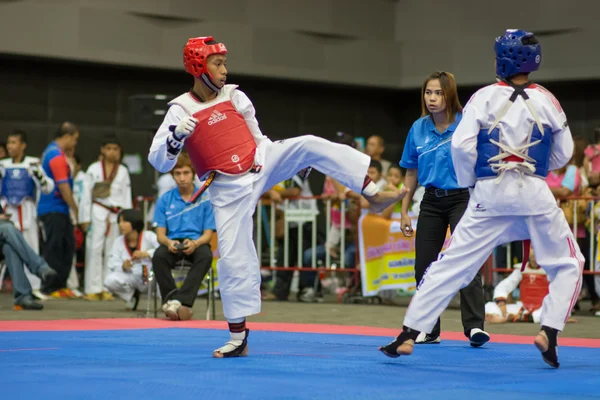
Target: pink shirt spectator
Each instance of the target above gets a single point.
(593, 153)
(571, 179)
(336, 215)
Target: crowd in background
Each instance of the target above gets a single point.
(112, 251)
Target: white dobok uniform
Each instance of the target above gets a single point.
(102, 214)
(20, 194)
(505, 287)
(505, 150)
(234, 197)
(122, 283)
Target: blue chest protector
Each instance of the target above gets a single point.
(17, 185)
(494, 157)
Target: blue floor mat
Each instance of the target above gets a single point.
(177, 364)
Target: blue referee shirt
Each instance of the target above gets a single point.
(183, 220)
(428, 151)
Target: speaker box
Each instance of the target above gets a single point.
(147, 111)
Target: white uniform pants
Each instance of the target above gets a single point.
(31, 236)
(99, 241)
(124, 284)
(492, 308)
(473, 241)
(238, 268)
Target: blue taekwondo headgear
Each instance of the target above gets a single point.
(517, 52)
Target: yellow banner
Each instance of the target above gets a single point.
(387, 258)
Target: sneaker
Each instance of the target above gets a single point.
(478, 337)
(77, 293)
(107, 296)
(93, 296)
(171, 308)
(425, 338)
(68, 293)
(58, 294)
(28, 303)
(37, 293)
(307, 295)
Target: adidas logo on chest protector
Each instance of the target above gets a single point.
(215, 117)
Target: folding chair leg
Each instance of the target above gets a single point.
(2, 273)
(208, 295)
(212, 294)
(155, 295)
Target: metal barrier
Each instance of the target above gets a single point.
(591, 252)
(265, 220)
(290, 215)
(301, 216)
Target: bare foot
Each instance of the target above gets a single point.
(383, 200)
(404, 349)
(541, 342)
(217, 353)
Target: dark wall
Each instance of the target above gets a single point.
(38, 94)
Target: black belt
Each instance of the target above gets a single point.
(444, 192)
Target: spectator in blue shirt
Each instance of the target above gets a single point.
(427, 159)
(183, 231)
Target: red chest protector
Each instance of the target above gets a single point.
(222, 140)
(534, 287)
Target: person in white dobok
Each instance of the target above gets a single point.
(107, 191)
(130, 259)
(78, 181)
(217, 123)
(23, 180)
(511, 134)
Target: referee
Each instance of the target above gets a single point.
(427, 158)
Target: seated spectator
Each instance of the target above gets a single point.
(184, 232)
(503, 310)
(294, 187)
(564, 182)
(130, 259)
(17, 254)
(592, 162)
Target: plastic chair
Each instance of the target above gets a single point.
(179, 274)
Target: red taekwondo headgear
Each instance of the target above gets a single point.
(196, 52)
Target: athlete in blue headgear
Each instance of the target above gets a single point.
(511, 134)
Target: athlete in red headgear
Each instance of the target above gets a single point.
(216, 124)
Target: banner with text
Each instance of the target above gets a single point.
(387, 258)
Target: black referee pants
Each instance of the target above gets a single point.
(435, 215)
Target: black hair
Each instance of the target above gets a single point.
(77, 159)
(133, 216)
(66, 128)
(345, 138)
(399, 168)
(111, 139)
(377, 165)
(21, 134)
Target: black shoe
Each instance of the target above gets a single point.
(47, 276)
(478, 337)
(402, 345)
(233, 348)
(424, 338)
(28, 303)
(547, 343)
